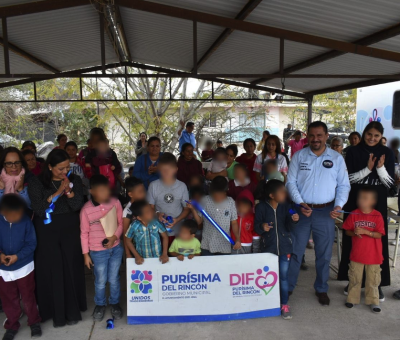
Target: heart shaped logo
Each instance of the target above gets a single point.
(262, 281)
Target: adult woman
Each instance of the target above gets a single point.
(337, 144)
(33, 165)
(77, 165)
(188, 165)
(61, 140)
(141, 145)
(14, 176)
(369, 163)
(272, 150)
(60, 280)
(146, 167)
(261, 144)
(231, 152)
(248, 158)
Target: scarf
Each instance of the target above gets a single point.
(10, 182)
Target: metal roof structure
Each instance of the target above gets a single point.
(298, 48)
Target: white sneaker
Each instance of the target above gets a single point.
(393, 243)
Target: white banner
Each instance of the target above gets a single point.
(206, 288)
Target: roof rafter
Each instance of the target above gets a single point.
(371, 39)
(242, 15)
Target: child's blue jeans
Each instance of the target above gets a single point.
(284, 262)
(106, 269)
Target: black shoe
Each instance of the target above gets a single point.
(381, 295)
(10, 334)
(72, 322)
(304, 266)
(323, 298)
(116, 311)
(396, 294)
(98, 313)
(346, 290)
(349, 305)
(36, 331)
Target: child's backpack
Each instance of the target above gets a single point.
(106, 171)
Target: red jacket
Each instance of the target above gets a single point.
(246, 223)
(186, 170)
(234, 191)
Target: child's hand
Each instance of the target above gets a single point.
(164, 259)
(88, 261)
(358, 232)
(11, 259)
(237, 245)
(180, 257)
(3, 258)
(190, 256)
(88, 165)
(112, 168)
(190, 206)
(295, 217)
(161, 217)
(111, 241)
(267, 227)
(139, 260)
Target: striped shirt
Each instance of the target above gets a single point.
(92, 232)
(147, 239)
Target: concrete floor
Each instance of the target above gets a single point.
(310, 320)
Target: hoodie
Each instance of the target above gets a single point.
(17, 239)
(278, 239)
(246, 223)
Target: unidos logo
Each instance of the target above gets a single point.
(264, 279)
(141, 282)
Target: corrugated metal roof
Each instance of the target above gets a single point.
(19, 64)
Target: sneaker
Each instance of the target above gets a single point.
(310, 245)
(285, 312)
(36, 331)
(116, 311)
(349, 305)
(376, 309)
(72, 322)
(393, 243)
(346, 290)
(396, 294)
(323, 298)
(98, 313)
(10, 334)
(381, 295)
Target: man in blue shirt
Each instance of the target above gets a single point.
(319, 183)
(187, 136)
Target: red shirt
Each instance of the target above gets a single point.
(246, 229)
(296, 146)
(366, 250)
(207, 154)
(235, 190)
(249, 162)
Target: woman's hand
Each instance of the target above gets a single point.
(20, 184)
(371, 161)
(381, 162)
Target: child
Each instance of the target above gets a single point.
(366, 227)
(167, 195)
(136, 191)
(147, 243)
(217, 166)
(17, 277)
(104, 161)
(102, 214)
(245, 209)
(186, 243)
(270, 171)
(240, 182)
(208, 152)
(222, 209)
(77, 166)
(273, 223)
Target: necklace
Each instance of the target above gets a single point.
(54, 185)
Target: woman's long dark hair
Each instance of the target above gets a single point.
(373, 125)
(11, 149)
(55, 157)
(277, 142)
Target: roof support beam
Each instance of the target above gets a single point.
(242, 15)
(371, 39)
(102, 43)
(5, 46)
(264, 30)
(194, 70)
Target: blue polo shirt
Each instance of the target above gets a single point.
(318, 180)
(187, 137)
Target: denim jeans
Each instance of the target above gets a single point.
(284, 262)
(106, 269)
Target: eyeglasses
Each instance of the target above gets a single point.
(334, 146)
(11, 164)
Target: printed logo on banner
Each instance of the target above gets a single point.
(250, 284)
(141, 284)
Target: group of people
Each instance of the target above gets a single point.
(66, 212)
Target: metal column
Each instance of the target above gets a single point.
(309, 110)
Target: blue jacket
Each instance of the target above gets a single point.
(140, 170)
(17, 239)
(277, 240)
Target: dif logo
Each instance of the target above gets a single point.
(262, 278)
(141, 282)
